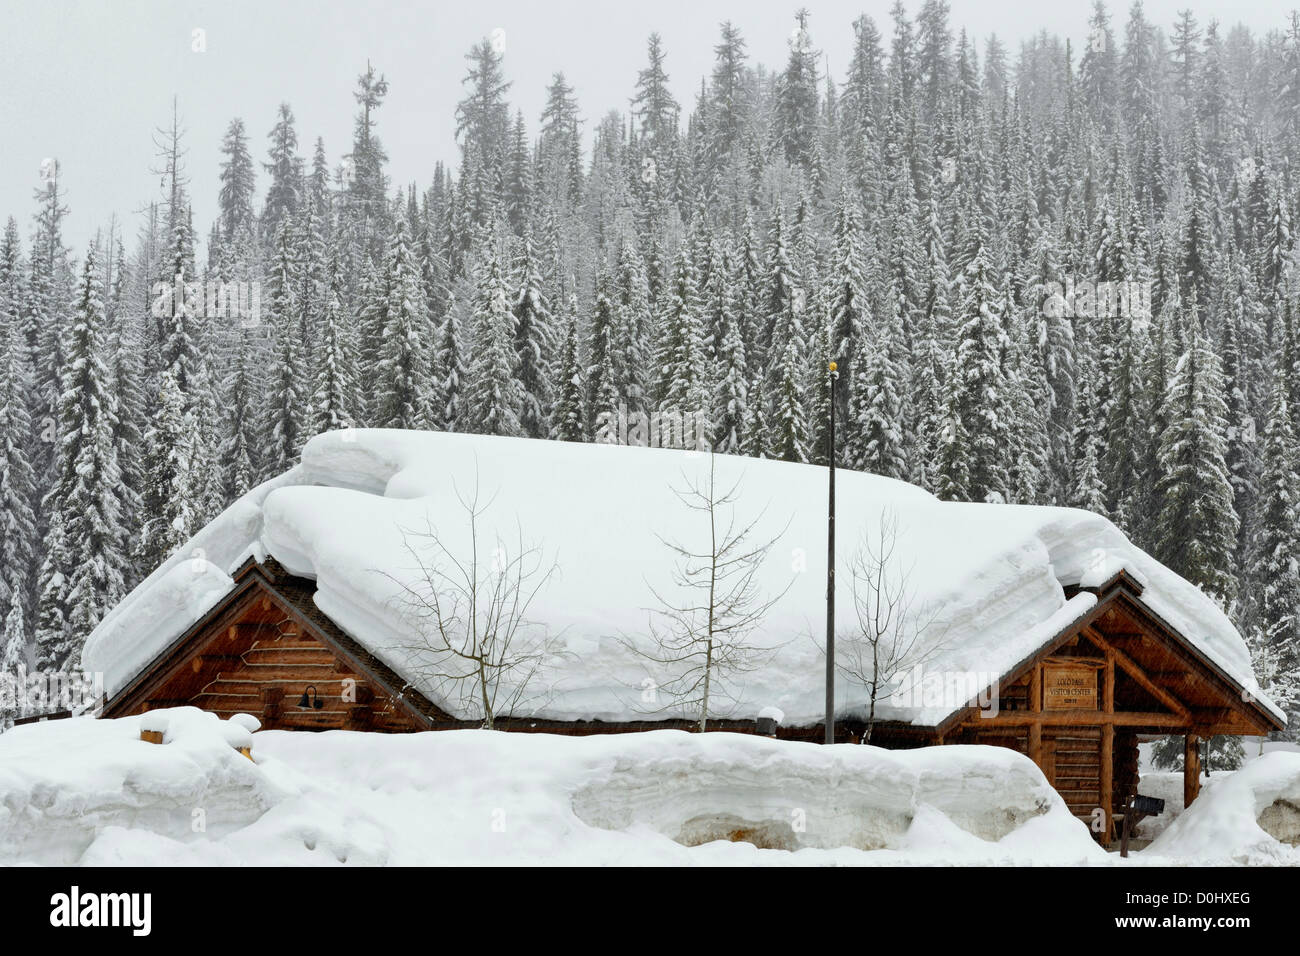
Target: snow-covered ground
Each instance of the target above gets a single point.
(85, 791)
(992, 574)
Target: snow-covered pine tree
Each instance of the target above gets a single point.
(731, 396)
(87, 472)
(450, 364)
(876, 433)
(286, 406)
(788, 430)
(783, 301)
(1088, 490)
(237, 184)
(334, 396)
(972, 463)
(684, 378)
(494, 396)
(796, 112)
(533, 340)
(601, 389)
(754, 440)
(1197, 525)
(630, 350)
(166, 498)
(285, 168)
(122, 356)
(49, 296)
(850, 312)
(402, 368)
(241, 444)
(82, 577)
(568, 422)
(1275, 558)
(18, 536)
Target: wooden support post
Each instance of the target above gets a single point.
(1036, 706)
(1191, 769)
(1108, 747)
(151, 736)
(1128, 827)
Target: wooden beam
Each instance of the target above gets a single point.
(1108, 743)
(1035, 747)
(1138, 675)
(1191, 768)
(1084, 718)
(1199, 667)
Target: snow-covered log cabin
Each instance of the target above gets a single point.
(1040, 629)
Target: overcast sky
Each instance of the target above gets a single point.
(87, 81)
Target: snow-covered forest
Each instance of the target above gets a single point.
(1057, 274)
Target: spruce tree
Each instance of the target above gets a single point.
(972, 463)
(1197, 525)
(334, 394)
(532, 341)
(82, 577)
(287, 413)
(494, 397)
(789, 433)
(1276, 554)
(567, 418)
(402, 370)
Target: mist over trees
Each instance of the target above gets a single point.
(1057, 274)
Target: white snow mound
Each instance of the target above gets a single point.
(1250, 816)
(90, 792)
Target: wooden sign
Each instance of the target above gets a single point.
(1069, 687)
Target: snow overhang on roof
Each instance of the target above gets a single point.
(344, 516)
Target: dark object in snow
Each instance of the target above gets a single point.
(1148, 806)
(1138, 807)
(40, 718)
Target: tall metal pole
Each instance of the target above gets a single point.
(830, 570)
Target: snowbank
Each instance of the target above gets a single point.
(345, 515)
(1249, 816)
(70, 787)
(90, 792)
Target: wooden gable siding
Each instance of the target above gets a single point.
(259, 650)
(1187, 691)
(1142, 678)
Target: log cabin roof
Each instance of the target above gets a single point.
(292, 596)
(1175, 671)
(1121, 624)
(1007, 579)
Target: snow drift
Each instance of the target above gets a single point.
(90, 792)
(993, 573)
(1250, 816)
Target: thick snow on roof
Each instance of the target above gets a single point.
(991, 574)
